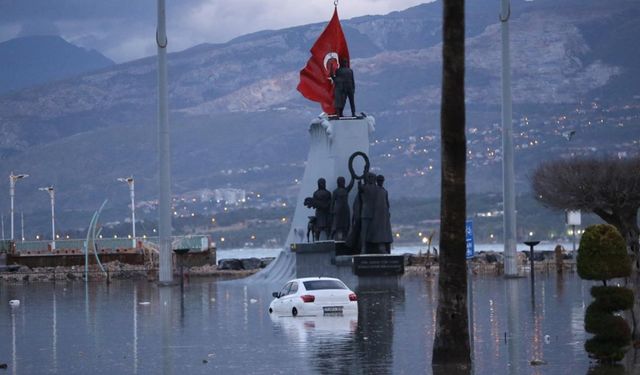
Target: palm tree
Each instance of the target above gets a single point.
(451, 341)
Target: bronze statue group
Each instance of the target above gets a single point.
(368, 230)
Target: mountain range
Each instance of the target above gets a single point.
(33, 60)
(238, 121)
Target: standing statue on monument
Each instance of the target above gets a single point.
(380, 236)
(367, 197)
(340, 213)
(344, 87)
(353, 236)
(321, 201)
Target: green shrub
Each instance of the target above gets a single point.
(603, 256)
(613, 298)
(606, 351)
(607, 369)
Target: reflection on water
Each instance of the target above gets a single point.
(14, 357)
(54, 334)
(513, 333)
(216, 327)
(327, 344)
(135, 330)
(374, 336)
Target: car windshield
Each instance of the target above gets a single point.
(324, 284)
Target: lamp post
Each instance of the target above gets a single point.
(130, 181)
(12, 192)
(531, 244)
(164, 153)
(52, 195)
(509, 204)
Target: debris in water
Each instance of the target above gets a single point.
(538, 362)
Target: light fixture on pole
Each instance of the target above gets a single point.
(130, 181)
(52, 195)
(12, 192)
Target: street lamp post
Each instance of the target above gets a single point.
(508, 180)
(52, 195)
(12, 192)
(130, 181)
(164, 153)
(531, 245)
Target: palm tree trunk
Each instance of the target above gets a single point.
(451, 341)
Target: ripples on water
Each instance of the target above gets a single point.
(223, 327)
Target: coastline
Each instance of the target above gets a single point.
(483, 264)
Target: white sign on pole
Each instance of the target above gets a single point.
(573, 217)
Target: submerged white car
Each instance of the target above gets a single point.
(314, 296)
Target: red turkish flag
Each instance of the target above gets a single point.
(315, 83)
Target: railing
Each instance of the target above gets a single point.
(105, 243)
(193, 243)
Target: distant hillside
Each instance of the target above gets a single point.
(34, 60)
(238, 121)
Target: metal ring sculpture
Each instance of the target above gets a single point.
(366, 165)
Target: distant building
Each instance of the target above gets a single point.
(230, 195)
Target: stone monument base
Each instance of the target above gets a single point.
(328, 258)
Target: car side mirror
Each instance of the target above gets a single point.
(276, 294)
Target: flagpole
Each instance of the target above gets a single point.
(164, 153)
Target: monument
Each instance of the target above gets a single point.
(335, 144)
(365, 252)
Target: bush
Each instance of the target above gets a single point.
(602, 256)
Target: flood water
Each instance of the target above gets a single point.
(215, 327)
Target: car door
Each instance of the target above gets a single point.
(278, 306)
(289, 300)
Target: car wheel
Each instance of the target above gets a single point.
(294, 311)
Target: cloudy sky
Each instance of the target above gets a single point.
(124, 29)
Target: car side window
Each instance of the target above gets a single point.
(294, 288)
(285, 289)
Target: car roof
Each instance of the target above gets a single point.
(314, 278)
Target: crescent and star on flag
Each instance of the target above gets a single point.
(326, 53)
